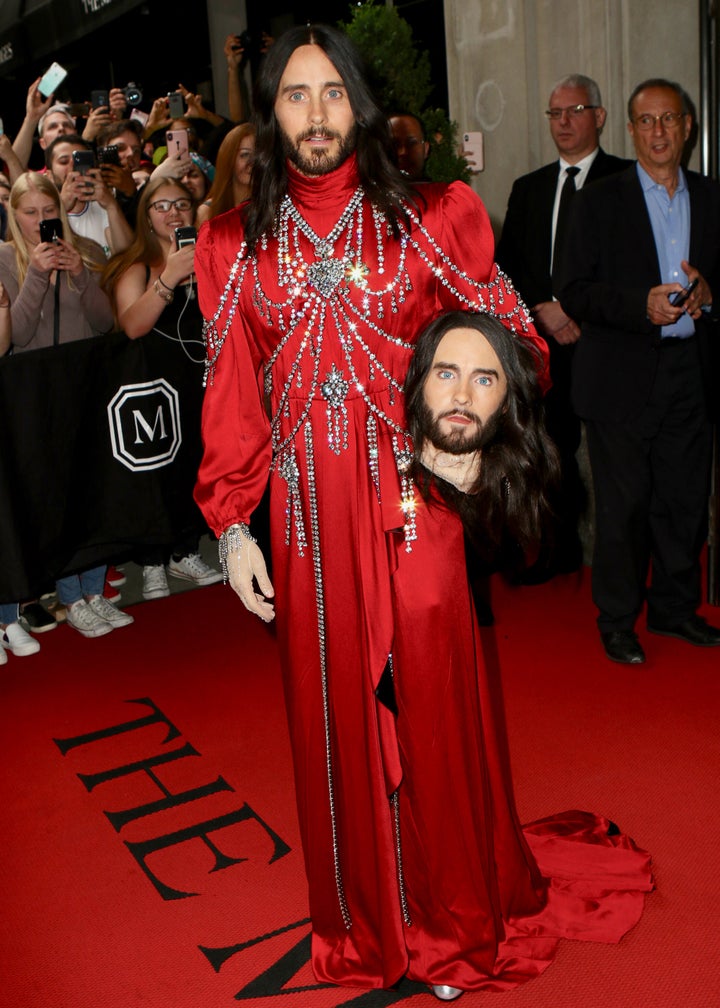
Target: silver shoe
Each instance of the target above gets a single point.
(446, 993)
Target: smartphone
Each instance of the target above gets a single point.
(100, 99)
(177, 144)
(2, 128)
(83, 161)
(185, 236)
(51, 79)
(142, 117)
(680, 297)
(108, 155)
(176, 105)
(51, 229)
(474, 150)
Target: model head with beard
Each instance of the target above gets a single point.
(475, 412)
(290, 129)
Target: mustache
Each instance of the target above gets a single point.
(463, 413)
(318, 131)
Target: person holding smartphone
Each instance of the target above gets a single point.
(152, 285)
(91, 206)
(127, 136)
(51, 277)
(644, 377)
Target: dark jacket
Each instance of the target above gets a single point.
(608, 265)
(524, 249)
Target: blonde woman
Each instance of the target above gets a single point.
(55, 297)
(233, 172)
(49, 280)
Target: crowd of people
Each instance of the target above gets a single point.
(89, 210)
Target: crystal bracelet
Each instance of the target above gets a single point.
(231, 541)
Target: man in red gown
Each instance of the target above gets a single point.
(313, 294)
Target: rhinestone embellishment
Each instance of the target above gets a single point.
(325, 275)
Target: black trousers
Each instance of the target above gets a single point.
(651, 481)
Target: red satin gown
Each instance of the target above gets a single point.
(416, 863)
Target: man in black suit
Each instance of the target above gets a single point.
(642, 370)
(527, 251)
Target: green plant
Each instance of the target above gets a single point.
(444, 163)
(401, 78)
(399, 72)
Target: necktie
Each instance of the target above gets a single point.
(566, 194)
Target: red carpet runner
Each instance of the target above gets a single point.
(150, 851)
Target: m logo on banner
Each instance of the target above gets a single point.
(145, 428)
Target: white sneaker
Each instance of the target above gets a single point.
(86, 621)
(154, 582)
(3, 656)
(109, 612)
(18, 641)
(193, 568)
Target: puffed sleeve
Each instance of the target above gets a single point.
(235, 427)
(467, 239)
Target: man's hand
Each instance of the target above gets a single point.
(233, 51)
(95, 189)
(552, 321)
(661, 312)
(35, 105)
(244, 565)
(702, 295)
(119, 178)
(118, 103)
(97, 119)
(158, 118)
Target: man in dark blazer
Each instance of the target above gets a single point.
(525, 251)
(642, 372)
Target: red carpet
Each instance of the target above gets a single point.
(150, 851)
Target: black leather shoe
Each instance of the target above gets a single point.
(695, 630)
(623, 646)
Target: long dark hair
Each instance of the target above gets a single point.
(508, 515)
(380, 178)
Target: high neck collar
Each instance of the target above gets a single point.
(329, 193)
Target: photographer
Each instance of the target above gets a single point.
(126, 136)
(102, 115)
(92, 209)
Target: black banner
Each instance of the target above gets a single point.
(99, 451)
(51, 24)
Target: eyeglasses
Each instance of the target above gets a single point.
(165, 205)
(669, 120)
(572, 110)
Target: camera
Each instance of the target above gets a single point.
(251, 45)
(133, 94)
(108, 155)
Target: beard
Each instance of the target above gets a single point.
(318, 162)
(461, 441)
